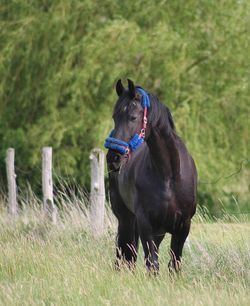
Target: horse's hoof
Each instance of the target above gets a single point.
(174, 266)
(153, 268)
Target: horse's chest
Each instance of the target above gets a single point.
(145, 192)
(127, 192)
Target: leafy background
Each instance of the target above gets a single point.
(59, 61)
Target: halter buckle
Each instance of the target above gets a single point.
(142, 133)
(127, 151)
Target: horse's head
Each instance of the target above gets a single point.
(128, 112)
(129, 120)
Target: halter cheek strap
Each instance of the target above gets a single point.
(126, 147)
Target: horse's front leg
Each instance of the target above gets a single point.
(149, 246)
(127, 241)
(177, 242)
(127, 234)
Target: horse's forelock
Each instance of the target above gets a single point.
(121, 103)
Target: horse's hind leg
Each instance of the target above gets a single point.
(127, 241)
(177, 242)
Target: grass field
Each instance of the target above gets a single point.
(42, 264)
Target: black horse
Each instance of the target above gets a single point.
(153, 185)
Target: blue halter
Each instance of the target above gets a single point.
(125, 147)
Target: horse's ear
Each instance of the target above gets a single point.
(131, 89)
(119, 88)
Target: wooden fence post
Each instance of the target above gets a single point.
(11, 178)
(97, 196)
(47, 183)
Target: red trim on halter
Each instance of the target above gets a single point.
(142, 132)
(145, 121)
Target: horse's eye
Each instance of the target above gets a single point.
(132, 118)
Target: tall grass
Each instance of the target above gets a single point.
(41, 264)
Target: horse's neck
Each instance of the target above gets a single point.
(164, 153)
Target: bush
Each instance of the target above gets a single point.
(59, 62)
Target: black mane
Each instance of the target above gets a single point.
(160, 114)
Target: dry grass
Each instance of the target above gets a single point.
(41, 264)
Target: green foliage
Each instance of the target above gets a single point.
(60, 59)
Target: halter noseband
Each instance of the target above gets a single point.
(124, 148)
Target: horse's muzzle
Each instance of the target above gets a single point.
(114, 160)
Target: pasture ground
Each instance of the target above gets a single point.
(42, 264)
